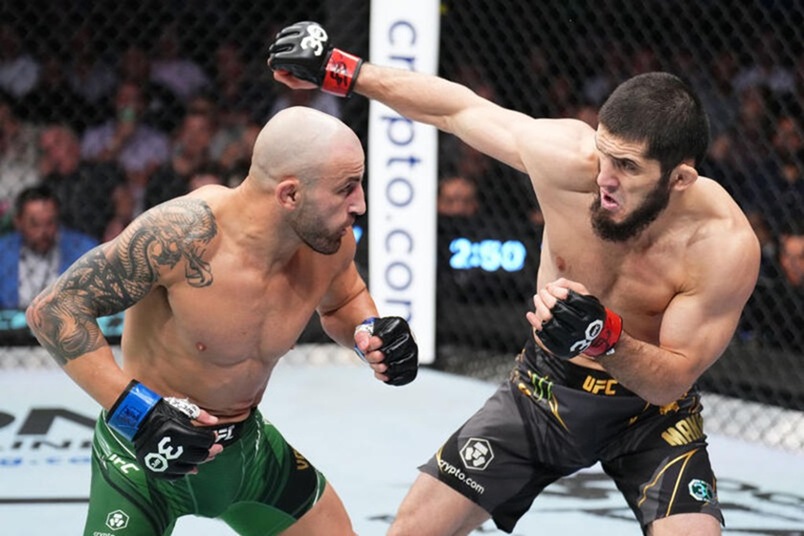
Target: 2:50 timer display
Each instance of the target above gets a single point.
(488, 255)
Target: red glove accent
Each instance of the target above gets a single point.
(608, 336)
(340, 73)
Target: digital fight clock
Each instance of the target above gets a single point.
(488, 255)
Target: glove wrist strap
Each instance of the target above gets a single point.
(131, 408)
(340, 73)
(609, 336)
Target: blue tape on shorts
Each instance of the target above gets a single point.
(131, 411)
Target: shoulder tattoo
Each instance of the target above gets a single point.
(109, 279)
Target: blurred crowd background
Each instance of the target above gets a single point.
(107, 109)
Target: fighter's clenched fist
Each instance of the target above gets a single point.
(399, 359)
(569, 323)
(304, 50)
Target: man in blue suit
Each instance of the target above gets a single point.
(38, 250)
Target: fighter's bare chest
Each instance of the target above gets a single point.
(237, 318)
(642, 281)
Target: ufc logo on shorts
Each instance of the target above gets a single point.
(315, 40)
(158, 461)
(591, 333)
(224, 434)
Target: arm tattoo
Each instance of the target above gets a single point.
(113, 277)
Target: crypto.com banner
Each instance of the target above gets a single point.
(402, 159)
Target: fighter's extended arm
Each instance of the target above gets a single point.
(302, 57)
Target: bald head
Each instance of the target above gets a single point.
(298, 142)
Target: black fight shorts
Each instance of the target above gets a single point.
(554, 418)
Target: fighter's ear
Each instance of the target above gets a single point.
(683, 176)
(287, 192)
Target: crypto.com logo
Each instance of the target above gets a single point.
(117, 520)
(476, 454)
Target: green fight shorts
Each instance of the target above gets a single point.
(259, 485)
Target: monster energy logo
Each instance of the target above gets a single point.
(542, 387)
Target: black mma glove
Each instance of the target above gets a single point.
(166, 443)
(580, 324)
(398, 345)
(303, 49)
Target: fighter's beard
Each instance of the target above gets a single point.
(637, 221)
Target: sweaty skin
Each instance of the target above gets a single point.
(219, 284)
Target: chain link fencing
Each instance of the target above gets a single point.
(187, 83)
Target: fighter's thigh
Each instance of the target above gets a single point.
(117, 506)
(683, 524)
(491, 459)
(327, 517)
(283, 488)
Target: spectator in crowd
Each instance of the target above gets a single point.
(243, 98)
(122, 211)
(716, 89)
(53, 99)
(38, 250)
(240, 93)
(486, 172)
(537, 74)
(83, 188)
(724, 164)
(457, 196)
(644, 60)
(87, 72)
(190, 150)
(736, 156)
(767, 70)
(611, 65)
(753, 126)
(135, 146)
(231, 83)
(235, 156)
(586, 112)
(125, 138)
(163, 109)
(204, 175)
(791, 255)
(173, 69)
(18, 156)
(774, 315)
(19, 71)
(778, 186)
(457, 206)
(768, 266)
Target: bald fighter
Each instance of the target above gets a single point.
(217, 286)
